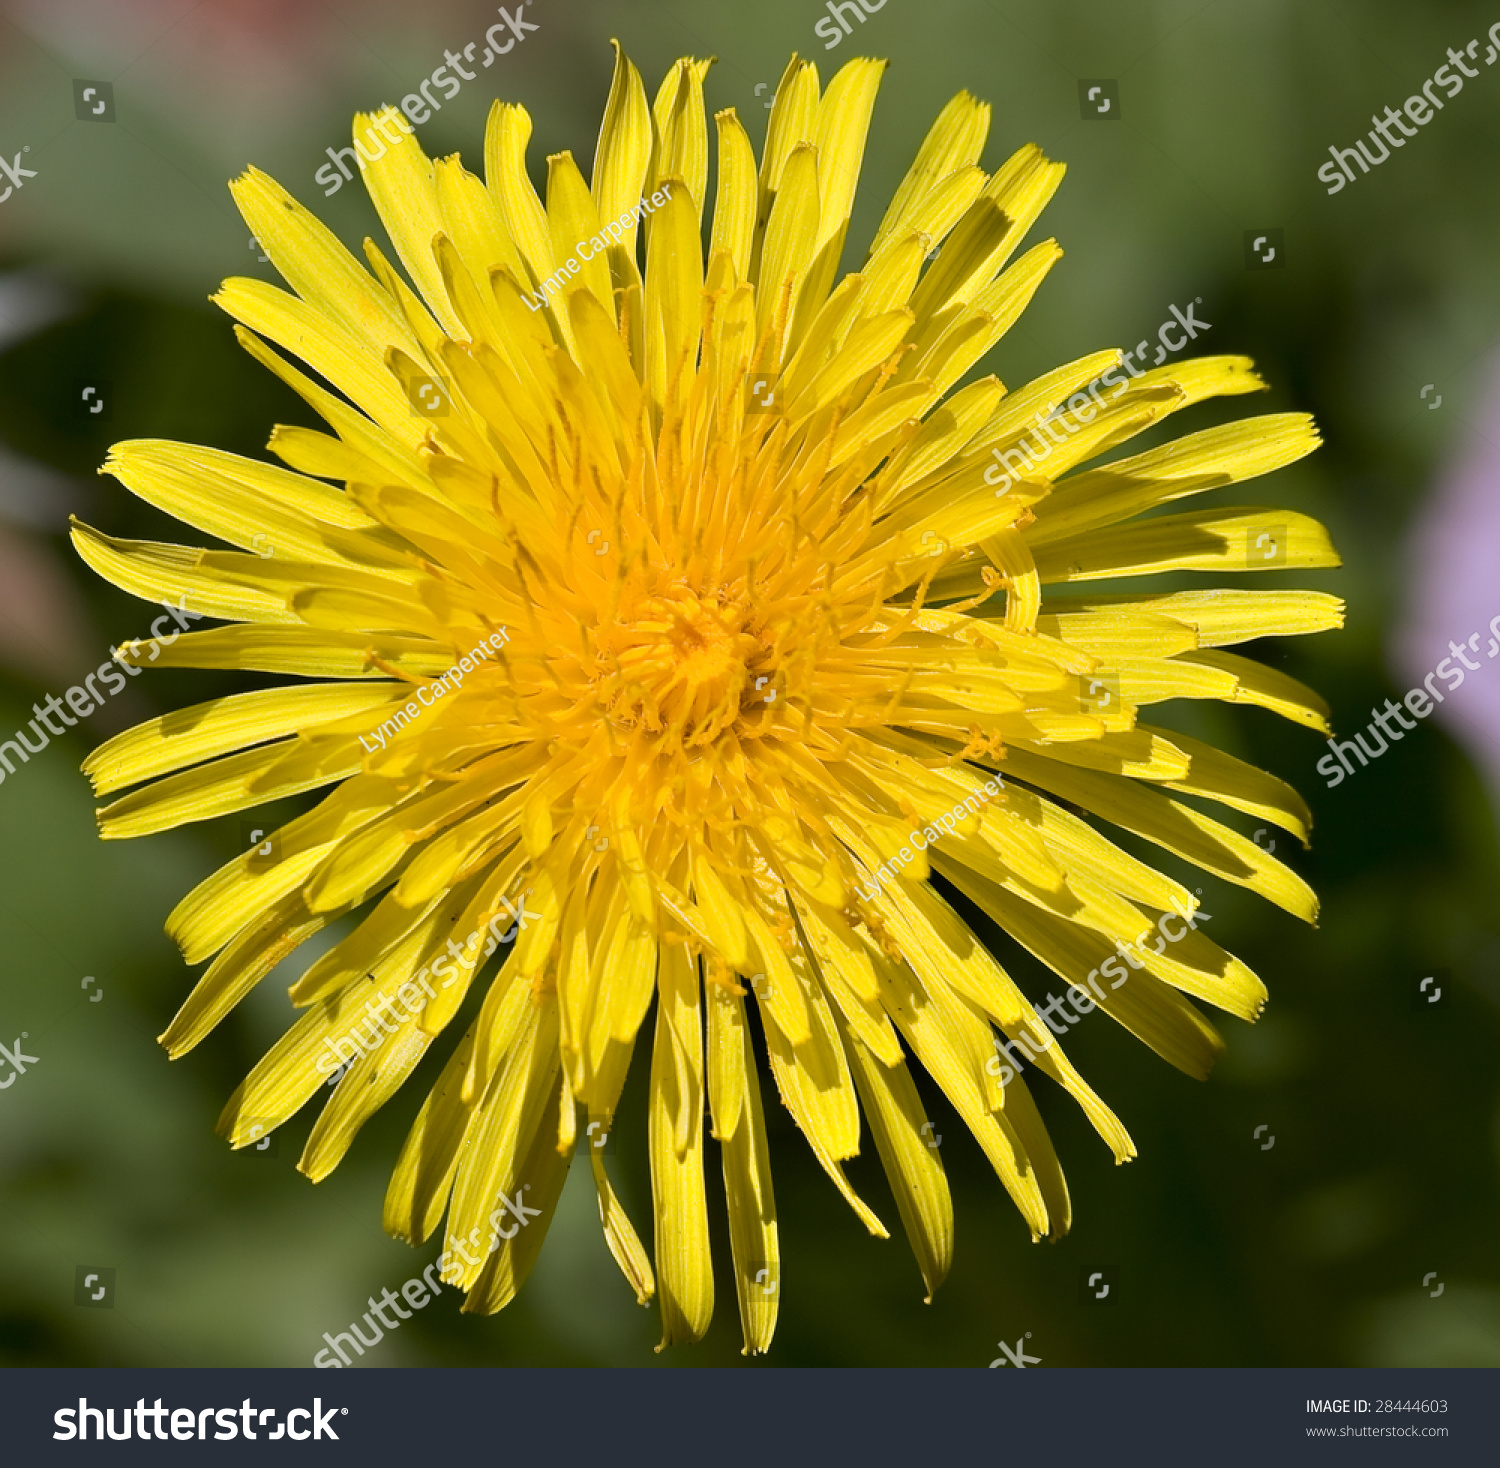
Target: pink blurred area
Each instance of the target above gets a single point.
(271, 60)
(42, 621)
(211, 84)
(42, 618)
(1455, 553)
(260, 50)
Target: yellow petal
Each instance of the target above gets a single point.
(683, 1263)
(624, 150)
(738, 194)
(908, 1145)
(747, 1169)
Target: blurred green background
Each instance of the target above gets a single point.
(1385, 1116)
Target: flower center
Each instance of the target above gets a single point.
(673, 662)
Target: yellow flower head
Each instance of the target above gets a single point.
(666, 629)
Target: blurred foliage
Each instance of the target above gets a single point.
(1386, 1118)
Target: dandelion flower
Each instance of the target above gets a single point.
(667, 623)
